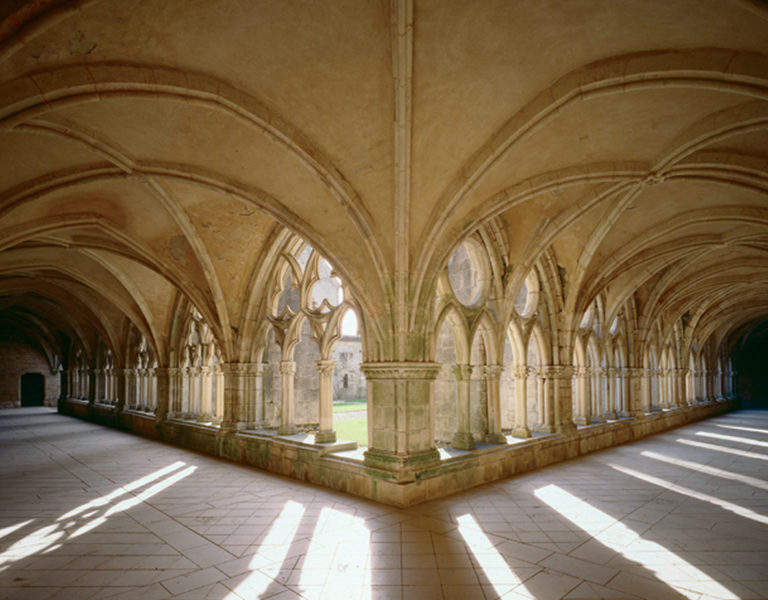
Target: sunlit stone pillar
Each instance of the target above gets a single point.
(287, 374)
(645, 390)
(400, 429)
(492, 375)
(463, 438)
(326, 433)
(613, 391)
(233, 381)
(521, 429)
(560, 386)
(634, 398)
(206, 391)
(174, 393)
(583, 400)
(257, 391)
(247, 413)
(547, 394)
(690, 394)
(624, 383)
(596, 395)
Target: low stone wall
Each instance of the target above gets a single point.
(312, 463)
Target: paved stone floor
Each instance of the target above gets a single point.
(90, 513)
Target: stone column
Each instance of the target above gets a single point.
(635, 390)
(121, 390)
(547, 391)
(559, 384)
(583, 401)
(624, 382)
(645, 391)
(611, 375)
(174, 393)
(163, 379)
(205, 413)
(258, 401)
(597, 377)
(463, 438)
(91, 386)
(287, 373)
(326, 434)
(400, 429)
(234, 377)
(680, 379)
(492, 374)
(97, 385)
(521, 429)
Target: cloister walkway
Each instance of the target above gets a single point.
(89, 513)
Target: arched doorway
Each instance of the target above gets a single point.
(32, 389)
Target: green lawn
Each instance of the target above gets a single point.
(349, 406)
(354, 429)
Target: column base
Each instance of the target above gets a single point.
(543, 428)
(325, 437)
(286, 430)
(580, 420)
(612, 415)
(463, 440)
(495, 438)
(596, 420)
(521, 432)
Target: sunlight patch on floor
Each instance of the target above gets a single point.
(724, 449)
(84, 519)
(493, 564)
(733, 438)
(679, 489)
(620, 538)
(709, 470)
(274, 548)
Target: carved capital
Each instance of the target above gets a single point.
(287, 367)
(558, 371)
(521, 371)
(325, 367)
(235, 368)
(462, 372)
(424, 371)
(492, 371)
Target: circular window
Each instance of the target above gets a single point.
(468, 271)
(527, 298)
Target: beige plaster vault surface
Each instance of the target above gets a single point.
(167, 165)
(90, 513)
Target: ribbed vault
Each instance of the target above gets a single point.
(157, 159)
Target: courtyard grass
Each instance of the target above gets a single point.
(353, 429)
(340, 406)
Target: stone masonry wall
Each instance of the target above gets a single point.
(16, 359)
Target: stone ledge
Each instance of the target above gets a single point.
(297, 455)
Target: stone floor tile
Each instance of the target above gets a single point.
(578, 568)
(186, 582)
(422, 592)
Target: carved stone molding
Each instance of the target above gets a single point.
(400, 370)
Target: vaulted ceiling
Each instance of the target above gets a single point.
(159, 147)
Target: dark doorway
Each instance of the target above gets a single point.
(32, 389)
